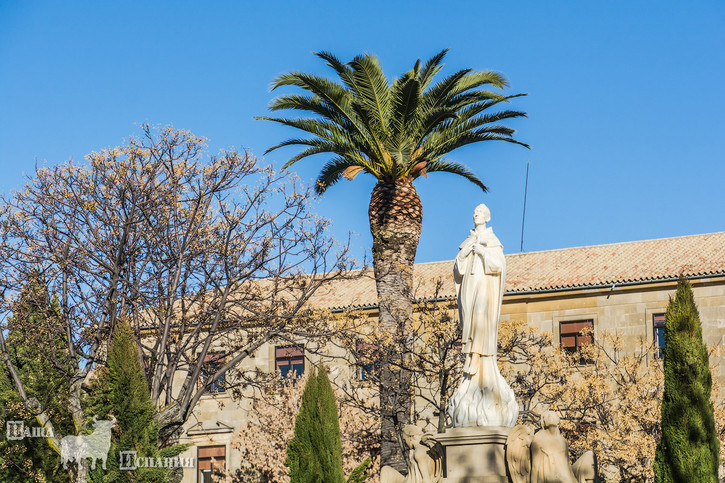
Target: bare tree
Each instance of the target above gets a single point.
(203, 255)
(434, 361)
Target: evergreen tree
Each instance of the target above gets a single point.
(689, 448)
(315, 453)
(38, 351)
(121, 390)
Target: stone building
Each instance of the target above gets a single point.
(620, 286)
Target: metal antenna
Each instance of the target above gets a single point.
(523, 218)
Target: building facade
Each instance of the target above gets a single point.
(622, 287)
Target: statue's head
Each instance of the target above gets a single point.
(481, 215)
(549, 419)
(412, 435)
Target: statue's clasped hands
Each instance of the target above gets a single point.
(480, 249)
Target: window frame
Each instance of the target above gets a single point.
(658, 324)
(573, 350)
(577, 345)
(297, 353)
(368, 362)
(213, 360)
(213, 460)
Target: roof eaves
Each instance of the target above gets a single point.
(563, 288)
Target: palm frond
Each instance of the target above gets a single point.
(431, 120)
(343, 70)
(486, 98)
(436, 147)
(402, 157)
(392, 129)
(327, 130)
(468, 121)
(438, 94)
(373, 91)
(332, 61)
(415, 71)
(331, 173)
(336, 97)
(443, 166)
(431, 68)
(476, 79)
(405, 98)
(316, 146)
(318, 85)
(312, 104)
(332, 139)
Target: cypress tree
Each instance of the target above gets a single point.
(121, 390)
(689, 448)
(314, 455)
(38, 351)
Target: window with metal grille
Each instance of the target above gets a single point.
(210, 459)
(658, 329)
(368, 365)
(212, 363)
(290, 360)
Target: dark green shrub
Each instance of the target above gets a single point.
(315, 453)
(689, 448)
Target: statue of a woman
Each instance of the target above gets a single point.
(550, 453)
(425, 459)
(483, 398)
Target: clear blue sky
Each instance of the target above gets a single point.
(626, 101)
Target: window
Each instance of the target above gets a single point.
(210, 459)
(212, 363)
(658, 329)
(290, 359)
(368, 365)
(571, 337)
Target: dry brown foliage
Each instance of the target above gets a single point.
(203, 255)
(264, 437)
(610, 403)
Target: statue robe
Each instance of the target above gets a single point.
(480, 284)
(483, 398)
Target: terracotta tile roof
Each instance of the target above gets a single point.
(637, 261)
(567, 268)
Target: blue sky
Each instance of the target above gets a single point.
(626, 101)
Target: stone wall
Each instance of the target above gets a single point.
(628, 309)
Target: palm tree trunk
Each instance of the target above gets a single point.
(396, 217)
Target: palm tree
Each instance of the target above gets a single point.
(396, 132)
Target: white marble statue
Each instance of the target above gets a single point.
(425, 456)
(483, 397)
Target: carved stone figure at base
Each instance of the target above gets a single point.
(544, 457)
(550, 453)
(585, 468)
(425, 456)
(518, 453)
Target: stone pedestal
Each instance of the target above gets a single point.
(475, 454)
